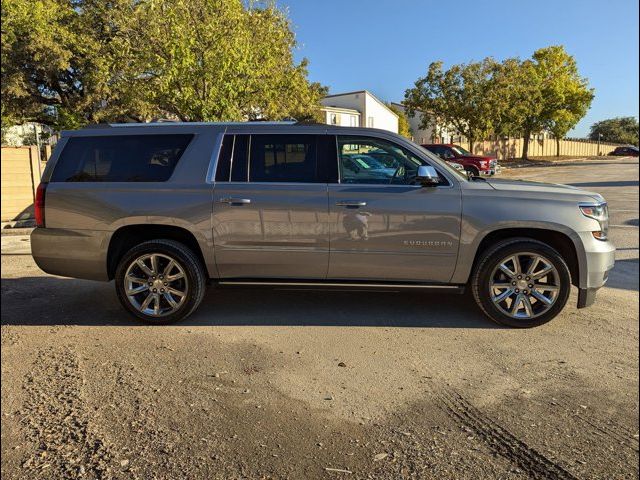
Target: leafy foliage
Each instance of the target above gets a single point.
(71, 62)
(455, 98)
(404, 128)
(616, 130)
(513, 97)
(562, 96)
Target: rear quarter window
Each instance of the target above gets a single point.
(120, 158)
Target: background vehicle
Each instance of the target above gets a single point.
(474, 164)
(456, 165)
(163, 209)
(629, 151)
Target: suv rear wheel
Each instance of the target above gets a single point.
(160, 281)
(521, 283)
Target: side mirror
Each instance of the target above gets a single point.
(427, 176)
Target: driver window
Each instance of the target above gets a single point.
(368, 160)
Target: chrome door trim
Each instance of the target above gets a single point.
(213, 163)
(337, 284)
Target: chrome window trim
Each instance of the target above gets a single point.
(213, 162)
(233, 150)
(384, 185)
(299, 184)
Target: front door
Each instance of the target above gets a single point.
(383, 225)
(270, 212)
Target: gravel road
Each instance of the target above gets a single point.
(320, 384)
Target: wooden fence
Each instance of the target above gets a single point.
(512, 148)
(21, 172)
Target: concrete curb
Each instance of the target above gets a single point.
(16, 231)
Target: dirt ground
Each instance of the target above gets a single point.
(263, 384)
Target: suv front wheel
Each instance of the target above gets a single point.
(160, 281)
(521, 283)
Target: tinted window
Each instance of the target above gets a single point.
(120, 158)
(239, 164)
(223, 167)
(232, 161)
(283, 158)
(327, 159)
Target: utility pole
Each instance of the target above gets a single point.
(599, 137)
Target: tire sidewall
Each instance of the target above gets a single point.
(482, 278)
(473, 171)
(170, 249)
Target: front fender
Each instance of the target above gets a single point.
(471, 239)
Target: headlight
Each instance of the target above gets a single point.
(600, 213)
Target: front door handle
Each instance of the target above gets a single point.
(347, 203)
(235, 201)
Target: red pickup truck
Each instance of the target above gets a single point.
(474, 164)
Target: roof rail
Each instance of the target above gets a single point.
(312, 123)
(97, 125)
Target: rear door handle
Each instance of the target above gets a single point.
(347, 203)
(235, 201)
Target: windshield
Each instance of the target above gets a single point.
(459, 150)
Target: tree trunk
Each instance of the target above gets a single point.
(557, 147)
(525, 145)
(471, 142)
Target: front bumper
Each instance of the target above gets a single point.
(493, 170)
(600, 260)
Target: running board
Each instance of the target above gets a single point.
(340, 285)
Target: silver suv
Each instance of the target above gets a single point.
(165, 209)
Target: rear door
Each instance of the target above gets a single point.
(383, 225)
(270, 213)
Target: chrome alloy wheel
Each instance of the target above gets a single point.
(156, 284)
(524, 285)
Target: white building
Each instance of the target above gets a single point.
(431, 134)
(358, 109)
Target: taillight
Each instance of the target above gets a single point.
(39, 204)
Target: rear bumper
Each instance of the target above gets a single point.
(71, 253)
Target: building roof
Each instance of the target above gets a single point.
(340, 109)
(366, 92)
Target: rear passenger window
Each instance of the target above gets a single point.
(223, 168)
(120, 158)
(232, 161)
(283, 158)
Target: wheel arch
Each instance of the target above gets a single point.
(128, 236)
(568, 245)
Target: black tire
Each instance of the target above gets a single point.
(481, 278)
(194, 273)
(473, 171)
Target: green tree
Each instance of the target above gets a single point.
(216, 60)
(70, 62)
(55, 62)
(616, 130)
(457, 98)
(544, 93)
(404, 128)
